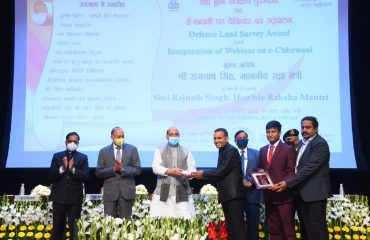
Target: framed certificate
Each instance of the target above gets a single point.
(262, 180)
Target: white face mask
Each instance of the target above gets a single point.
(71, 146)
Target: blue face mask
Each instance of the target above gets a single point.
(173, 141)
(242, 143)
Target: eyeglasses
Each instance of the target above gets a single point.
(241, 138)
(69, 141)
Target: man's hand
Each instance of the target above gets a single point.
(279, 187)
(187, 174)
(247, 183)
(174, 172)
(117, 166)
(198, 175)
(65, 164)
(71, 164)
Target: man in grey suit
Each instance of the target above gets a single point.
(249, 162)
(118, 163)
(312, 181)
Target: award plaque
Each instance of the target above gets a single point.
(262, 180)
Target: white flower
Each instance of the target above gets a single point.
(130, 236)
(40, 190)
(115, 236)
(208, 189)
(175, 237)
(141, 189)
(118, 221)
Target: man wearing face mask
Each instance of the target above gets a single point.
(249, 163)
(291, 138)
(118, 164)
(68, 170)
(173, 164)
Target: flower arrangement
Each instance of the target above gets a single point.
(210, 211)
(207, 208)
(208, 189)
(141, 190)
(26, 232)
(142, 203)
(347, 218)
(25, 213)
(145, 228)
(217, 231)
(41, 190)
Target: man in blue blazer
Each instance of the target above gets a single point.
(118, 164)
(68, 170)
(249, 163)
(311, 181)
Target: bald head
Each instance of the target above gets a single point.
(172, 132)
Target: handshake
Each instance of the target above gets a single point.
(184, 173)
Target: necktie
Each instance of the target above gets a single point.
(118, 154)
(242, 164)
(271, 153)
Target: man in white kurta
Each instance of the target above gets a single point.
(173, 165)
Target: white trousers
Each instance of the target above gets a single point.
(172, 209)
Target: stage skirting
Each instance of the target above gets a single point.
(30, 217)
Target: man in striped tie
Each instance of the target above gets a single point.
(249, 163)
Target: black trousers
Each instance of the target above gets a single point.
(312, 219)
(60, 214)
(234, 217)
(252, 213)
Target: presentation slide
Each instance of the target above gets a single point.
(88, 66)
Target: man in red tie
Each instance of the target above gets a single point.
(278, 159)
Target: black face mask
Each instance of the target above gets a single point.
(289, 142)
(242, 143)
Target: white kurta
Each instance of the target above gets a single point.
(170, 208)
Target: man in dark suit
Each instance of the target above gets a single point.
(249, 163)
(68, 170)
(230, 188)
(118, 163)
(312, 181)
(278, 160)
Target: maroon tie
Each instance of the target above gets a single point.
(271, 153)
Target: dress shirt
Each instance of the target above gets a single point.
(305, 142)
(116, 150)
